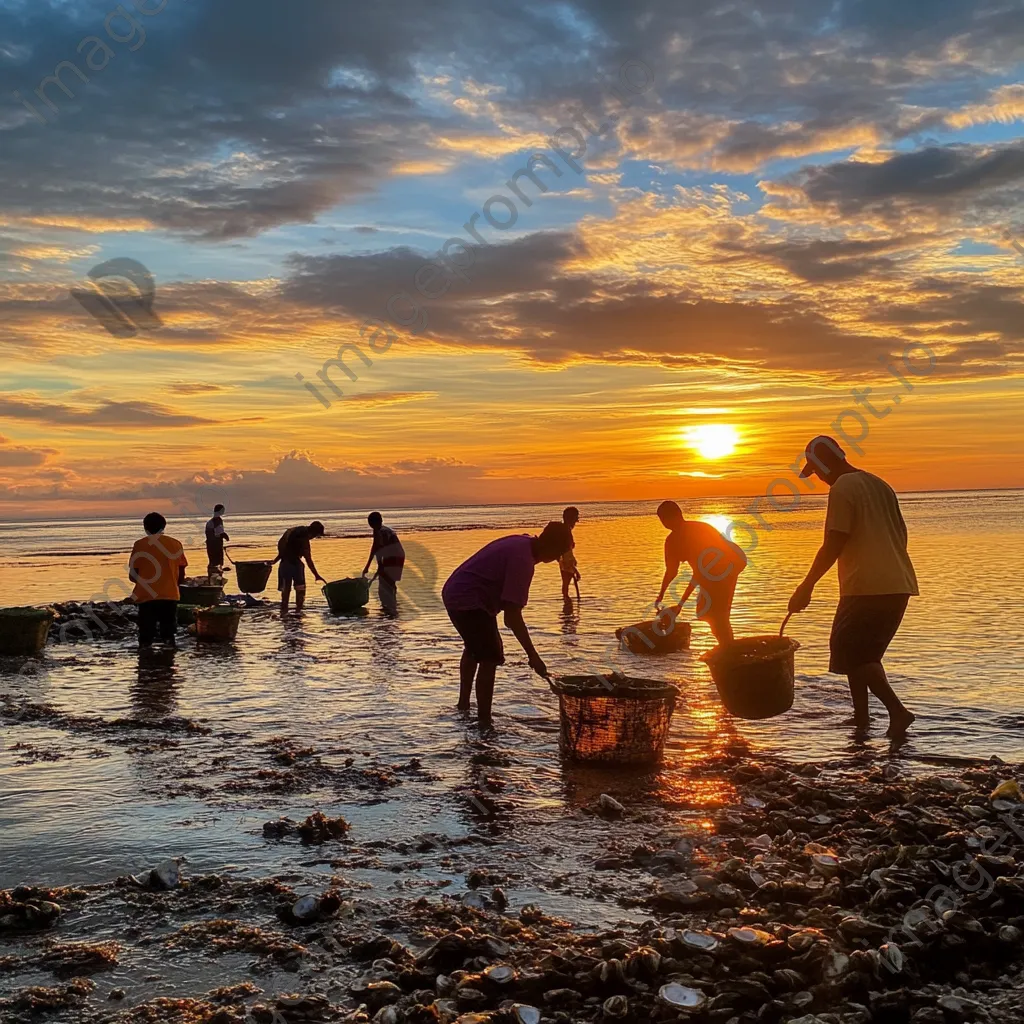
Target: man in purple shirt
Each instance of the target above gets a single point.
(497, 579)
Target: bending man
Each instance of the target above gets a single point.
(292, 548)
(715, 564)
(497, 579)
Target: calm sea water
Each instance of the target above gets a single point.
(77, 802)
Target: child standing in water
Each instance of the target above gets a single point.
(567, 563)
(390, 555)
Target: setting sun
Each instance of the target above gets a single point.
(712, 440)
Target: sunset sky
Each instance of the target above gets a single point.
(782, 198)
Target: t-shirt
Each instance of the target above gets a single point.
(294, 543)
(874, 559)
(498, 574)
(713, 559)
(390, 554)
(215, 532)
(156, 560)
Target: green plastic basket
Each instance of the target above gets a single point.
(347, 595)
(202, 597)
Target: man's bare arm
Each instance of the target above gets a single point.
(515, 621)
(827, 556)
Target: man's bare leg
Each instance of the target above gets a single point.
(485, 692)
(467, 670)
(285, 594)
(872, 677)
(859, 696)
(300, 599)
(723, 632)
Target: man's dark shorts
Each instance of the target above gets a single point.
(291, 573)
(479, 632)
(863, 629)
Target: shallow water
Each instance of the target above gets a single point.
(86, 800)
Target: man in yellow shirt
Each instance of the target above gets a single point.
(865, 533)
(157, 568)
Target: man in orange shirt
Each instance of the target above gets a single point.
(157, 568)
(715, 564)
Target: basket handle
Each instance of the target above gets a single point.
(785, 622)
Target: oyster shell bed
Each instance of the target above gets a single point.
(78, 621)
(875, 900)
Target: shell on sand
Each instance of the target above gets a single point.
(681, 997)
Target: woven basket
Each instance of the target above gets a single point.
(23, 631)
(218, 623)
(614, 720)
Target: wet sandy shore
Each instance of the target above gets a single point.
(299, 827)
(875, 898)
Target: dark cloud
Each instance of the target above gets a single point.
(296, 482)
(16, 456)
(237, 116)
(363, 284)
(520, 296)
(822, 261)
(932, 177)
(105, 416)
(196, 388)
(962, 310)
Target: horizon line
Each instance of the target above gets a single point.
(487, 505)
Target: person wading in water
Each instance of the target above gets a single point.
(497, 579)
(390, 555)
(292, 548)
(865, 533)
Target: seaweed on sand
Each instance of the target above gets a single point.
(30, 1003)
(229, 936)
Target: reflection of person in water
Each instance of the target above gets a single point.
(154, 695)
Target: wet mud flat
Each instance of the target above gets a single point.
(809, 895)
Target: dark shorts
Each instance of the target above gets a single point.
(863, 629)
(479, 632)
(291, 573)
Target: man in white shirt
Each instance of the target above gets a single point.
(865, 533)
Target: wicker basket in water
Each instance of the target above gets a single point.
(219, 623)
(24, 630)
(614, 719)
(754, 675)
